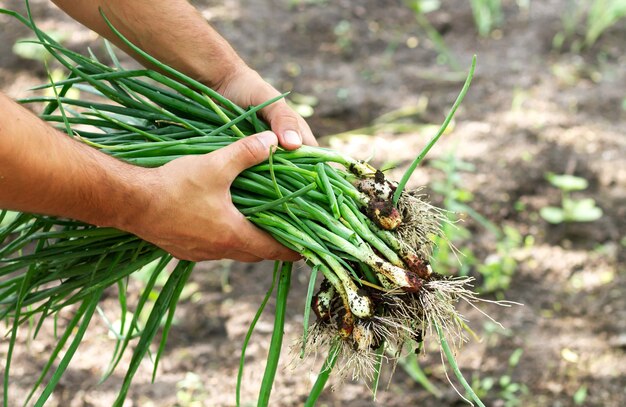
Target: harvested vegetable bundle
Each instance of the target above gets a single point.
(369, 238)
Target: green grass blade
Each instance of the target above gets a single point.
(122, 286)
(112, 55)
(125, 126)
(18, 306)
(223, 115)
(258, 125)
(43, 314)
(102, 76)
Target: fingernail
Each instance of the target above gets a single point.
(292, 137)
(267, 138)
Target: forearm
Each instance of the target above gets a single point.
(44, 171)
(172, 31)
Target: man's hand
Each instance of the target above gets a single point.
(183, 207)
(186, 207)
(245, 87)
(194, 48)
(191, 214)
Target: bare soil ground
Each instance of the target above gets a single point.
(531, 110)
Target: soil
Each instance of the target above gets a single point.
(531, 110)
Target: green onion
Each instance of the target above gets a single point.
(277, 336)
(371, 245)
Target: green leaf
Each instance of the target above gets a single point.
(515, 357)
(567, 182)
(487, 383)
(161, 307)
(28, 48)
(170, 317)
(411, 366)
(425, 6)
(380, 354)
(552, 214)
(584, 210)
(505, 381)
(89, 306)
(580, 396)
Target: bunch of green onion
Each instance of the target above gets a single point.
(367, 236)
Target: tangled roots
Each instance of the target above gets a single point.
(421, 221)
(401, 321)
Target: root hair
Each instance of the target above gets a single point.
(421, 221)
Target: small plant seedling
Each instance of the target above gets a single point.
(585, 21)
(496, 269)
(487, 15)
(509, 392)
(29, 48)
(571, 210)
(422, 7)
(344, 36)
(580, 396)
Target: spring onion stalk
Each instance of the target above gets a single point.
(367, 236)
(246, 340)
(322, 378)
(277, 335)
(457, 372)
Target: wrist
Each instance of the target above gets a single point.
(220, 79)
(132, 198)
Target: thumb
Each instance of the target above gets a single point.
(245, 153)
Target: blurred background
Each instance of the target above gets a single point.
(533, 167)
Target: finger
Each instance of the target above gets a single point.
(243, 257)
(307, 135)
(292, 130)
(266, 247)
(285, 123)
(243, 154)
(256, 242)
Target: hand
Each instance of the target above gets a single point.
(196, 49)
(245, 87)
(191, 214)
